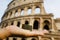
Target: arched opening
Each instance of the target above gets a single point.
(29, 11)
(7, 38)
(46, 27)
(33, 39)
(10, 14)
(6, 24)
(36, 24)
(23, 38)
(26, 22)
(22, 12)
(47, 24)
(18, 24)
(16, 13)
(12, 23)
(14, 38)
(37, 10)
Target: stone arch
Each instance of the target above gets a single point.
(6, 24)
(33, 39)
(16, 13)
(37, 9)
(7, 38)
(11, 13)
(29, 10)
(12, 23)
(14, 38)
(18, 23)
(46, 25)
(26, 22)
(23, 39)
(36, 24)
(22, 11)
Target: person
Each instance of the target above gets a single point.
(9, 30)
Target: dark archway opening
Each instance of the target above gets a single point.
(18, 24)
(14, 38)
(23, 38)
(47, 24)
(46, 27)
(36, 24)
(7, 38)
(26, 22)
(12, 23)
(33, 39)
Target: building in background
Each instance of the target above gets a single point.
(31, 12)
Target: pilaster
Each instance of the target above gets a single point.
(33, 10)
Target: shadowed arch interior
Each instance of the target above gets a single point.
(14, 38)
(23, 38)
(36, 24)
(26, 22)
(18, 24)
(33, 39)
(46, 26)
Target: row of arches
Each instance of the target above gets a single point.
(21, 12)
(29, 11)
(36, 24)
(15, 38)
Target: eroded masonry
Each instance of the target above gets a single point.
(31, 12)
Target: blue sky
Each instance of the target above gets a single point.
(51, 6)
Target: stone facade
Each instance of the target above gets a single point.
(20, 12)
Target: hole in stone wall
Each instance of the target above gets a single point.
(6, 24)
(29, 11)
(36, 24)
(46, 27)
(26, 22)
(10, 13)
(18, 24)
(22, 12)
(37, 10)
(14, 38)
(23, 38)
(7, 38)
(47, 24)
(33, 39)
(12, 23)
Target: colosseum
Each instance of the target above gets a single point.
(31, 15)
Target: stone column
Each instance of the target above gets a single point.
(22, 22)
(13, 13)
(18, 38)
(39, 37)
(9, 23)
(53, 27)
(15, 23)
(33, 10)
(8, 15)
(31, 22)
(42, 10)
(25, 10)
(41, 24)
(10, 38)
(52, 38)
(19, 12)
